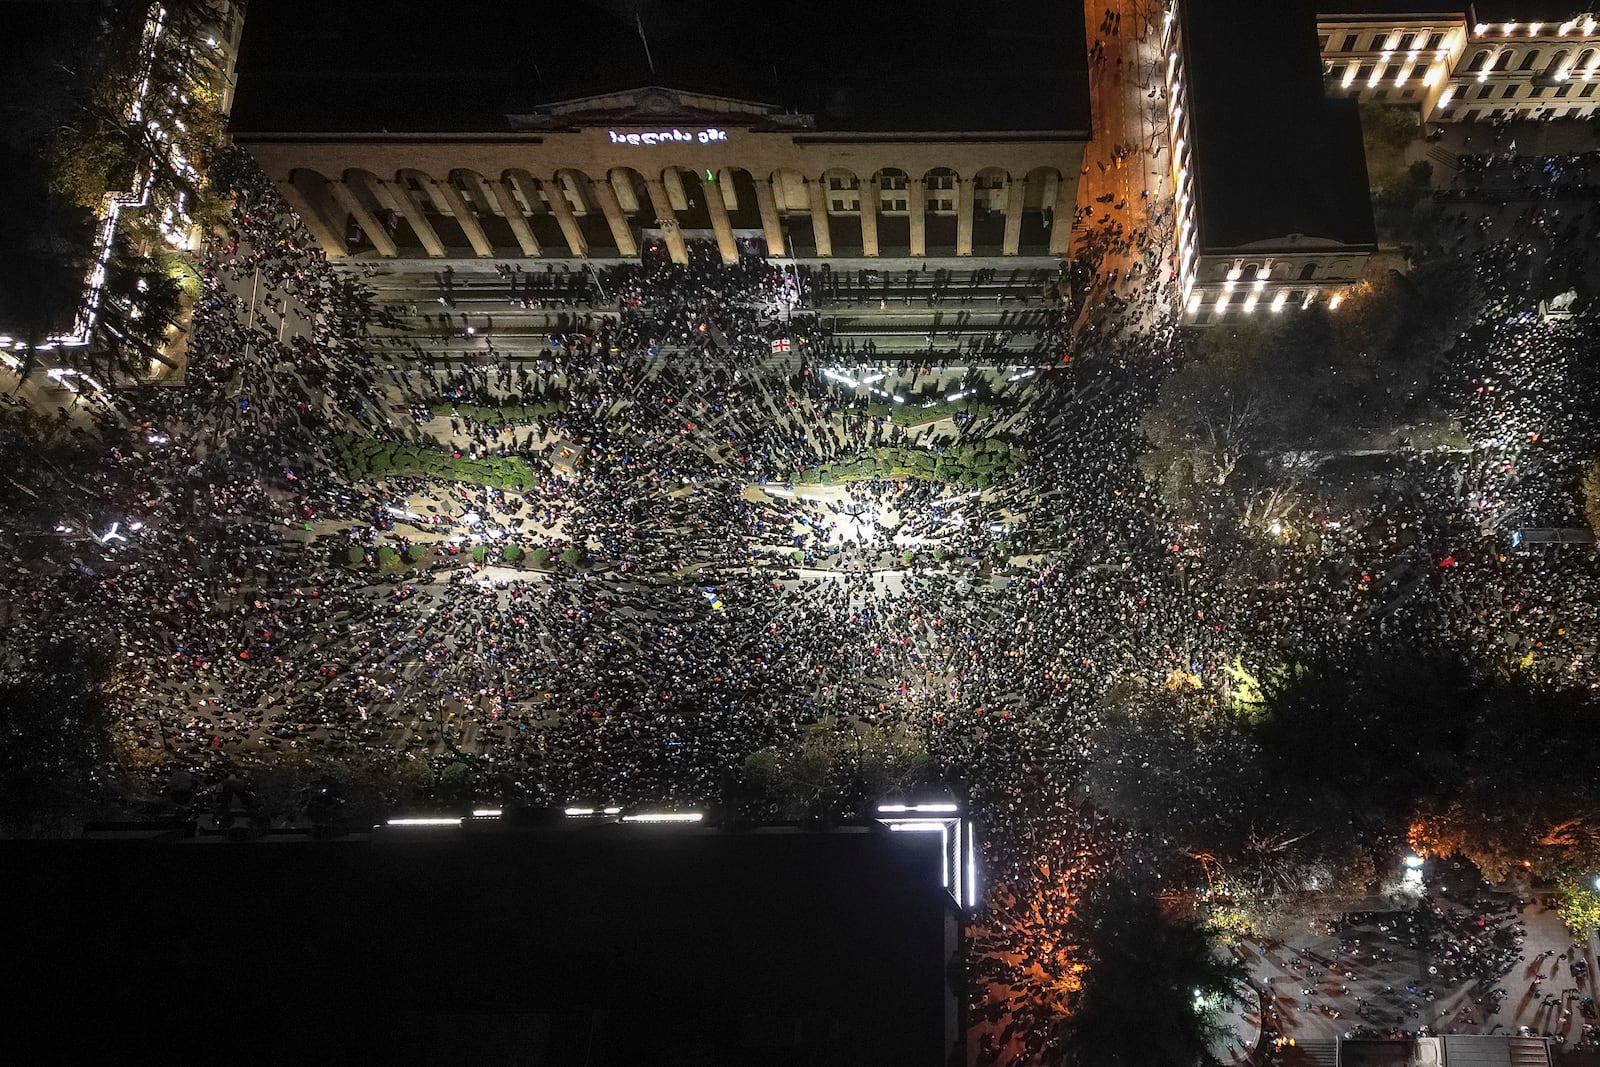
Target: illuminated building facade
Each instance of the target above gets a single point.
(1465, 62)
(851, 140)
(1272, 209)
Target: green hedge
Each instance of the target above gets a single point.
(971, 463)
(364, 459)
(912, 413)
(499, 416)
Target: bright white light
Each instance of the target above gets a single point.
(1222, 303)
(941, 806)
(666, 816)
(926, 826)
(1334, 301)
(485, 813)
(1413, 861)
(1250, 304)
(579, 811)
(1277, 301)
(424, 822)
(972, 869)
(135, 526)
(613, 811)
(111, 535)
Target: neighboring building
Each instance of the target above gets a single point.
(1272, 205)
(1464, 62)
(583, 130)
(603, 945)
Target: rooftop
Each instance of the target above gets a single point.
(1273, 155)
(405, 66)
(607, 946)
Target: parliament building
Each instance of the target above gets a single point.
(604, 130)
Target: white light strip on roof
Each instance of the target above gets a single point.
(424, 822)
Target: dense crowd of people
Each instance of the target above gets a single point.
(716, 605)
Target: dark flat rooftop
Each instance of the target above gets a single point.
(405, 66)
(1490, 11)
(1273, 155)
(606, 946)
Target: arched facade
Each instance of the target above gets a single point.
(581, 193)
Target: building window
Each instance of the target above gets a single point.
(1478, 61)
(1504, 62)
(1381, 94)
(1390, 71)
(1562, 90)
(1337, 70)
(1536, 92)
(1529, 60)
(1349, 43)
(1511, 91)
(1322, 43)
(893, 181)
(1587, 91)
(1407, 94)
(894, 205)
(1484, 91)
(1364, 72)
(942, 181)
(1434, 41)
(841, 183)
(1405, 42)
(1308, 272)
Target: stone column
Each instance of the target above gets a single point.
(964, 199)
(1061, 218)
(468, 220)
(364, 217)
(869, 216)
(917, 201)
(719, 220)
(1016, 196)
(621, 232)
(512, 210)
(413, 214)
(308, 195)
(770, 226)
(672, 177)
(819, 216)
(555, 193)
(667, 220)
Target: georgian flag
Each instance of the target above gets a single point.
(781, 345)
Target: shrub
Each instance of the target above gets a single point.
(388, 558)
(541, 557)
(479, 553)
(355, 555)
(512, 553)
(417, 553)
(572, 556)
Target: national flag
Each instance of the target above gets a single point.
(781, 345)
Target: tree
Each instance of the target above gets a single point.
(1153, 988)
(1591, 495)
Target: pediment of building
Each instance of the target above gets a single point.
(655, 104)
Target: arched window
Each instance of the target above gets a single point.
(1479, 61)
(1308, 272)
(1529, 60)
(1504, 60)
(1557, 61)
(1585, 59)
